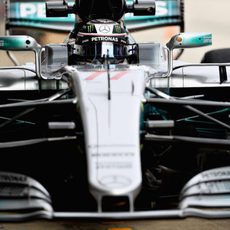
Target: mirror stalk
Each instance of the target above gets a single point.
(181, 41)
(22, 43)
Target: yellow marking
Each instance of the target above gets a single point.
(120, 228)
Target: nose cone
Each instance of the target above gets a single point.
(114, 181)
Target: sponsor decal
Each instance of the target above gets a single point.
(115, 76)
(12, 178)
(1, 43)
(119, 75)
(84, 41)
(216, 174)
(32, 10)
(94, 75)
(90, 28)
(104, 29)
(123, 41)
(161, 8)
(208, 39)
(117, 29)
(104, 39)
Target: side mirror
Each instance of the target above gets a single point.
(18, 43)
(189, 40)
(21, 43)
(185, 40)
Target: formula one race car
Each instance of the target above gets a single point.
(104, 127)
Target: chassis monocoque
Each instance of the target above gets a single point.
(143, 140)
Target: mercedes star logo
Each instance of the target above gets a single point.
(104, 29)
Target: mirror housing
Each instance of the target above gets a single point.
(18, 43)
(185, 40)
(22, 43)
(189, 40)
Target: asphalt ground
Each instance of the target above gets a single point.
(187, 224)
(200, 16)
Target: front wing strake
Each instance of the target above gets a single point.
(32, 201)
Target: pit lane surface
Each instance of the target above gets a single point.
(188, 224)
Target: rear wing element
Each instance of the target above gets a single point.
(28, 13)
